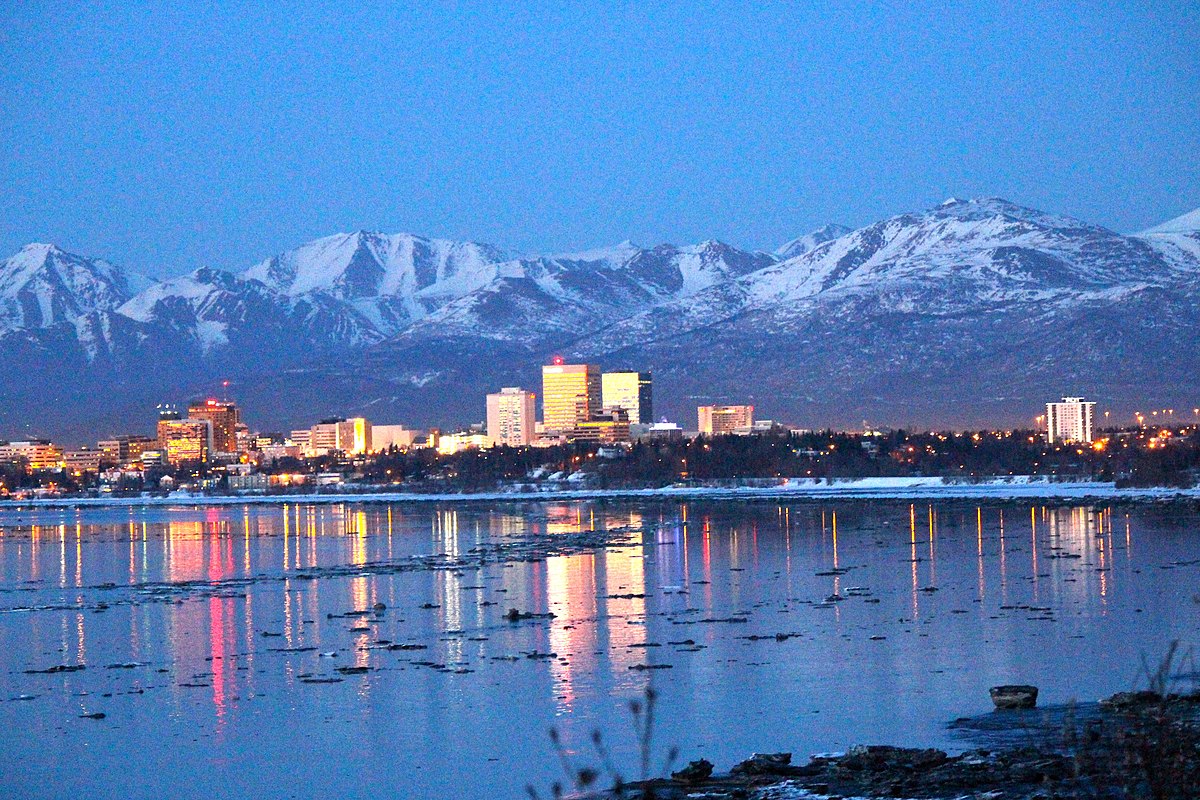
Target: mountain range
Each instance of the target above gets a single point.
(971, 313)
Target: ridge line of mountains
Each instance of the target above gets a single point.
(969, 314)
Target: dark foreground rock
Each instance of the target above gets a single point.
(1020, 696)
(1132, 745)
(875, 771)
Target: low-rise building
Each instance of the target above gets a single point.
(36, 454)
(349, 436)
(249, 483)
(662, 430)
(720, 420)
(387, 436)
(610, 426)
(125, 449)
(85, 459)
(450, 443)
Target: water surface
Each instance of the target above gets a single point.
(202, 630)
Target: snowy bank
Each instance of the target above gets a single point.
(1022, 487)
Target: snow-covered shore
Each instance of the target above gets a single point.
(1012, 488)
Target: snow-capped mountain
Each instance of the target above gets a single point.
(1179, 242)
(957, 313)
(809, 241)
(212, 309)
(391, 280)
(41, 286)
(534, 299)
(959, 256)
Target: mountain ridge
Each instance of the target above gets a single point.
(390, 321)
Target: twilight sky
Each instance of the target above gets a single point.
(166, 136)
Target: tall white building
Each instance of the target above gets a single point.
(511, 417)
(1069, 420)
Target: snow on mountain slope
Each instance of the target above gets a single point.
(960, 256)
(42, 285)
(981, 250)
(810, 241)
(210, 306)
(533, 299)
(1179, 242)
(1185, 223)
(390, 278)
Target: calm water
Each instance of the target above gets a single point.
(218, 617)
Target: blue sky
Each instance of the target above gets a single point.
(170, 136)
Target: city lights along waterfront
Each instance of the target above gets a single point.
(596, 432)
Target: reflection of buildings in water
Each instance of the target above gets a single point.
(1033, 549)
(979, 550)
(670, 550)
(1086, 532)
(1003, 563)
(35, 561)
(506, 526)
(79, 643)
(389, 533)
(198, 550)
(912, 534)
(356, 534)
(201, 631)
(448, 584)
(837, 579)
(444, 531)
(568, 518)
(591, 620)
(184, 550)
(246, 568)
(571, 595)
(625, 574)
(932, 546)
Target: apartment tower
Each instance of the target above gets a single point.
(511, 416)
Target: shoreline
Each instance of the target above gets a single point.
(897, 489)
(1129, 745)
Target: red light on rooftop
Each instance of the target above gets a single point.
(557, 361)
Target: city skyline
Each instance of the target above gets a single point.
(213, 430)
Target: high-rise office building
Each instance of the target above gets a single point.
(1069, 420)
(224, 417)
(718, 420)
(184, 441)
(630, 391)
(570, 394)
(511, 417)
